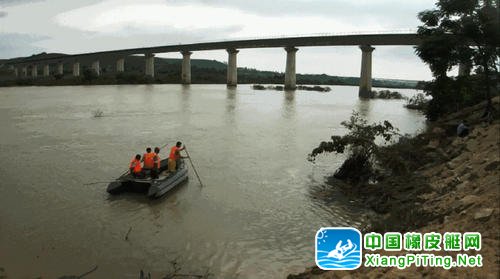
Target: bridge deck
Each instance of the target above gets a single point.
(337, 40)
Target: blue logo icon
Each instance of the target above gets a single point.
(338, 248)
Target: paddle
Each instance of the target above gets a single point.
(189, 157)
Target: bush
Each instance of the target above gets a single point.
(418, 102)
(360, 145)
(258, 87)
(387, 94)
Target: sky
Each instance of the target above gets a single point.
(77, 26)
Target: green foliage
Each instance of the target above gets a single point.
(89, 75)
(418, 102)
(360, 144)
(458, 32)
(387, 94)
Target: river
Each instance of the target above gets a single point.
(255, 217)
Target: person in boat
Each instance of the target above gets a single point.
(155, 171)
(175, 155)
(148, 159)
(135, 167)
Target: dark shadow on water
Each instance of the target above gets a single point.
(142, 198)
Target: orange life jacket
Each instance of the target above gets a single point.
(174, 153)
(135, 165)
(156, 160)
(148, 160)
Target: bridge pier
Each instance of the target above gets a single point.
(232, 70)
(120, 65)
(186, 67)
(290, 77)
(365, 80)
(34, 71)
(96, 67)
(150, 64)
(46, 70)
(76, 69)
(16, 72)
(24, 70)
(60, 68)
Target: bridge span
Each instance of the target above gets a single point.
(290, 44)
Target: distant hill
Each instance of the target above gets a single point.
(168, 70)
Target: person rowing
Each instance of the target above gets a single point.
(175, 155)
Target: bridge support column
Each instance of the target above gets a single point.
(34, 71)
(232, 70)
(290, 78)
(186, 67)
(60, 68)
(96, 67)
(16, 72)
(46, 70)
(365, 80)
(76, 69)
(24, 70)
(120, 65)
(150, 64)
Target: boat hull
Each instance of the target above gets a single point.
(153, 188)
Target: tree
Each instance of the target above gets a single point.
(89, 75)
(459, 32)
(360, 145)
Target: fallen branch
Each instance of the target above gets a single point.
(126, 236)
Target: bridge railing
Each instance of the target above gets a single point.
(302, 35)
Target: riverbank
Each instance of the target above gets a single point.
(453, 186)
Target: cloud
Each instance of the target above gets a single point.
(15, 45)
(3, 14)
(95, 25)
(6, 3)
(154, 16)
(389, 13)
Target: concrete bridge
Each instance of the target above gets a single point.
(365, 42)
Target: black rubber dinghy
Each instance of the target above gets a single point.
(154, 188)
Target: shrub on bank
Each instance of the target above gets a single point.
(418, 102)
(359, 143)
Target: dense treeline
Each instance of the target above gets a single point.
(169, 71)
(462, 33)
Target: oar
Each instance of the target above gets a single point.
(195, 172)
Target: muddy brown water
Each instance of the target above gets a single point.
(256, 217)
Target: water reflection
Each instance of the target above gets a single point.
(364, 107)
(289, 108)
